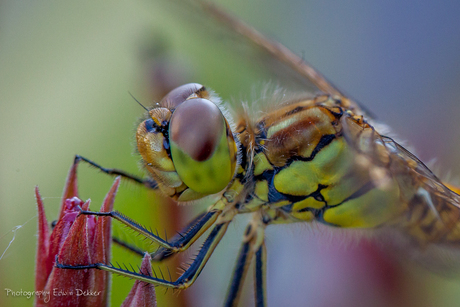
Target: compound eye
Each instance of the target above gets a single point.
(196, 128)
(201, 143)
(181, 93)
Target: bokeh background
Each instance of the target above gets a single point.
(65, 72)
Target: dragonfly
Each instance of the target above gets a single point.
(303, 158)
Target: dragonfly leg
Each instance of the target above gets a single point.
(253, 243)
(189, 234)
(179, 243)
(180, 239)
(127, 246)
(188, 277)
(260, 274)
(149, 183)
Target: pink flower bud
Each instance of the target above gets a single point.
(75, 239)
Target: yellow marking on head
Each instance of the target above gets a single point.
(150, 146)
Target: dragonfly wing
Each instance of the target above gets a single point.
(427, 225)
(204, 30)
(287, 68)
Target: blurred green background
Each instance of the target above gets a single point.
(65, 72)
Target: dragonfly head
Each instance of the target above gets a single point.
(187, 144)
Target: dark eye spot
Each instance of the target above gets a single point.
(196, 127)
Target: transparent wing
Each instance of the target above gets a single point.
(427, 226)
(273, 48)
(430, 211)
(273, 61)
(430, 181)
(238, 55)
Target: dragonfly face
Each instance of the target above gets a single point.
(187, 145)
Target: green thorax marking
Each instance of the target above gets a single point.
(304, 166)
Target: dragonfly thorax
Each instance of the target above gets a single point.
(299, 164)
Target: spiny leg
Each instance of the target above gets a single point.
(149, 183)
(186, 237)
(178, 244)
(190, 274)
(253, 241)
(163, 253)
